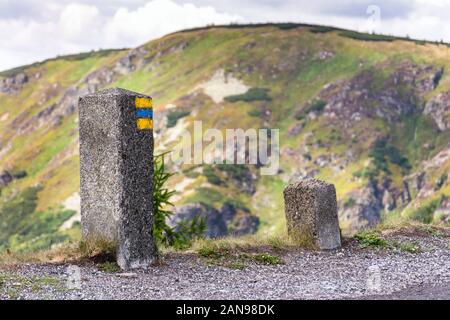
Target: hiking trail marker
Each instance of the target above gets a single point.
(116, 174)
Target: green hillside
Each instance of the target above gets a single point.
(369, 113)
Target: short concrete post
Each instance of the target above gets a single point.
(311, 214)
(116, 163)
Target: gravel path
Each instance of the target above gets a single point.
(348, 273)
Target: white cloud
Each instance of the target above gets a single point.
(36, 29)
(80, 27)
(160, 17)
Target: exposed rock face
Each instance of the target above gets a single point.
(365, 97)
(311, 213)
(239, 222)
(439, 109)
(364, 208)
(215, 223)
(219, 223)
(14, 83)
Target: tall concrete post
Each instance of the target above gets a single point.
(116, 163)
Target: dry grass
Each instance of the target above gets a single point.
(93, 250)
(400, 225)
(101, 251)
(238, 252)
(245, 243)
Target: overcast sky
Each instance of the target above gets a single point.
(32, 30)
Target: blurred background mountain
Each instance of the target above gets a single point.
(369, 113)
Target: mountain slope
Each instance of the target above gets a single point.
(369, 113)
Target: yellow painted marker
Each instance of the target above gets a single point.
(144, 124)
(144, 103)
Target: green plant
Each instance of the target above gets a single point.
(22, 228)
(20, 174)
(253, 94)
(322, 29)
(255, 113)
(433, 231)
(425, 213)
(441, 181)
(370, 239)
(382, 153)
(97, 249)
(366, 36)
(211, 176)
(174, 116)
(266, 258)
(237, 265)
(109, 267)
(213, 251)
(236, 204)
(407, 246)
(186, 231)
(162, 232)
(349, 203)
(437, 77)
(287, 26)
(236, 172)
(180, 235)
(316, 106)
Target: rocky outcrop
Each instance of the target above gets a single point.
(366, 96)
(219, 223)
(362, 208)
(439, 109)
(13, 83)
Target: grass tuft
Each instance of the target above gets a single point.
(266, 258)
(109, 267)
(235, 253)
(96, 250)
(407, 247)
(370, 239)
(253, 94)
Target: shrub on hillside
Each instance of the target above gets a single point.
(174, 116)
(316, 106)
(382, 153)
(253, 94)
(366, 36)
(22, 228)
(211, 176)
(425, 213)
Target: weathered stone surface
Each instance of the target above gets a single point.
(439, 109)
(311, 214)
(116, 163)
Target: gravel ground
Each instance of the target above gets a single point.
(349, 273)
